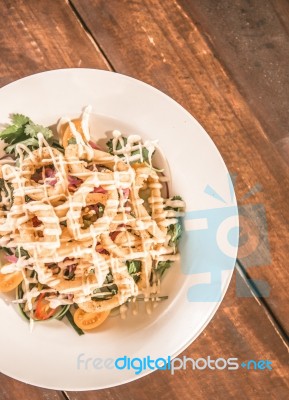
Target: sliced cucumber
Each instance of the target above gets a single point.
(69, 316)
(59, 315)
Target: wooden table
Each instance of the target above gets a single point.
(227, 63)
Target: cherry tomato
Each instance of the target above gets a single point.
(88, 321)
(9, 282)
(43, 311)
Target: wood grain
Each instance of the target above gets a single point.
(37, 40)
(10, 389)
(157, 42)
(252, 41)
(239, 329)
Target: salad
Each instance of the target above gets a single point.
(84, 230)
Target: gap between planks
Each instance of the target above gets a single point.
(90, 35)
(262, 302)
(65, 395)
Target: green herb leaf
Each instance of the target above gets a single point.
(100, 210)
(19, 119)
(145, 155)
(174, 208)
(27, 199)
(12, 134)
(175, 231)
(105, 292)
(23, 130)
(144, 150)
(72, 140)
(7, 251)
(32, 130)
(22, 253)
(31, 143)
(118, 145)
(4, 188)
(134, 268)
(177, 198)
(162, 266)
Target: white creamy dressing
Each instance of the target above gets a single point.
(49, 248)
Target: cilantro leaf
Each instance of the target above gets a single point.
(32, 130)
(13, 134)
(31, 143)
(23, 130)
(19, 119)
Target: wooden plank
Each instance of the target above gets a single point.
(157, 42)
(233, 332)
(251, 38)
(33, 40)
(10, 389)
(169, 388)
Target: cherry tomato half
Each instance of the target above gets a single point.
(88, 321)
(9, 282)
(43, 311)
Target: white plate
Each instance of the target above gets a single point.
(48, 356)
